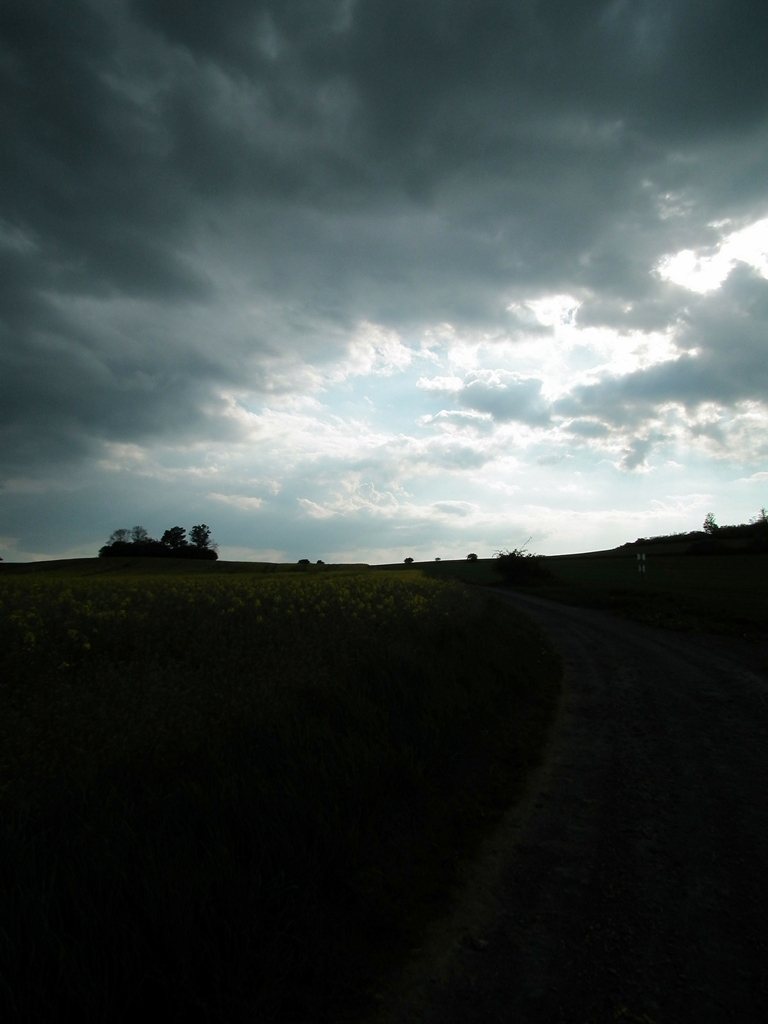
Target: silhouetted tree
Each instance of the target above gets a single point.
(472, 557)
(175, 538)
(710, 526)
(201, 536)
(759, 541)
(408, 560)
(138, 543)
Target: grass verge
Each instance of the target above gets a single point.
(726, 595)
(237, 799)
(696, 594)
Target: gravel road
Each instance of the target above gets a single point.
(633, 883)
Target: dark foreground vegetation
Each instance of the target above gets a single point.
(696, 594)
(520, 567)
(681, 586)
(239, 796)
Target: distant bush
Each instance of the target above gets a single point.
(519, 566)
(472, 557)
(304, 561)
(408, 560)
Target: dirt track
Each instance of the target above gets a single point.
(632, 884)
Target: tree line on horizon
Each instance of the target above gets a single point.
(709, 540)
(173, 544)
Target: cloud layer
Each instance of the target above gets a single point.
(368, 277)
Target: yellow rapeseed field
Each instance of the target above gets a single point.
(228, 796)
(99, 668)
(65, 620)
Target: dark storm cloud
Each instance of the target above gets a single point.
(634, 457)
(587, 428)
(403, 163)
(506, 398)
(502, 395)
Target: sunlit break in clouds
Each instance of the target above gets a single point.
(705, 273)
(360, 280)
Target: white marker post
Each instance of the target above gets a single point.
(641, 565)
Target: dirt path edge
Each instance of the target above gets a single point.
(474, 898)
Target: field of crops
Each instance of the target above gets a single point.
(231, 795)
(172, 658)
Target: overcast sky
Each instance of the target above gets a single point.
(358, 279)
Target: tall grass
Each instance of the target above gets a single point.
(240, 798)
(679, 590)
(694, 593)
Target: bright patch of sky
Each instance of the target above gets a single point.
(705, 271)
(565, 356)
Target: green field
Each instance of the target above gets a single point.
(725, 594)
(85, 567)
(232, 792)
(479, 573)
